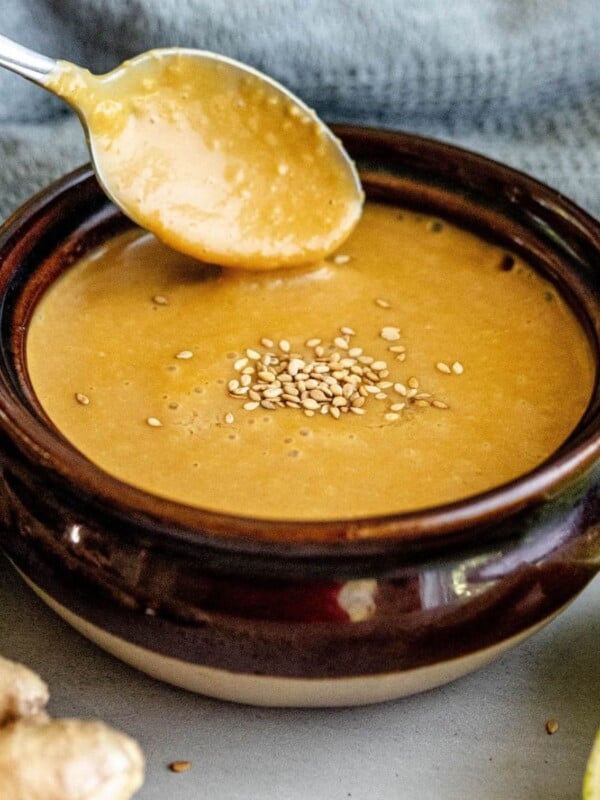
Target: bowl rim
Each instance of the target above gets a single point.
(408, 533)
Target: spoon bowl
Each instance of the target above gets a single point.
(218, 160)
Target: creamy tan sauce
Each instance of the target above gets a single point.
(215, 161)
(112, 326)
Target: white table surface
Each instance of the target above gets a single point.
(480, 738)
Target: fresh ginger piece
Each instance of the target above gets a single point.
(68, 759)
(22, 692)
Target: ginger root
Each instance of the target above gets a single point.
(22, 692)
(65, 759)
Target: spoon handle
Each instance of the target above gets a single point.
(25, 62)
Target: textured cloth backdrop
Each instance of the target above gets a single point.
(518, 80)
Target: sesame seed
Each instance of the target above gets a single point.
(229, 418)
(441, 366)
(180, 766)
(397, 348)
(184, 354)
(413, 383)
(400, 388)
(551, 726)
(251, 406)
(313, 342)
(390, 334)
(160, 300)
(284, 346)
(295, 366)
(341, 259)
(267, 342)
(356, 410)
(153, 422)
(382, 303)
(397, 406)
(347, 331)
(82, 399)
(341, 343)
(253, 354)
(457, 368)
(378, 366)
(310, 404)
(240, 364)
(439, 404)
(392, 417)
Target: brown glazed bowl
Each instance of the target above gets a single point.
(296, 613)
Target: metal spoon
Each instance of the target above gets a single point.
(215, 158)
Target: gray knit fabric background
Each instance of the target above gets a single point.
(518, 80)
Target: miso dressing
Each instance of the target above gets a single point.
(158, 345)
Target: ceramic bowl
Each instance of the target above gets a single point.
(323, 613)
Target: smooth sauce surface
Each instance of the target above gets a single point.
(216, 162)
(112, 328)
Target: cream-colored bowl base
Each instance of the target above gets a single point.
(263, 690)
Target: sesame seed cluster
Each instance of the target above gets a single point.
(332, 379)
(328, 378)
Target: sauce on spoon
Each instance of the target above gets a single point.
(217, 160)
